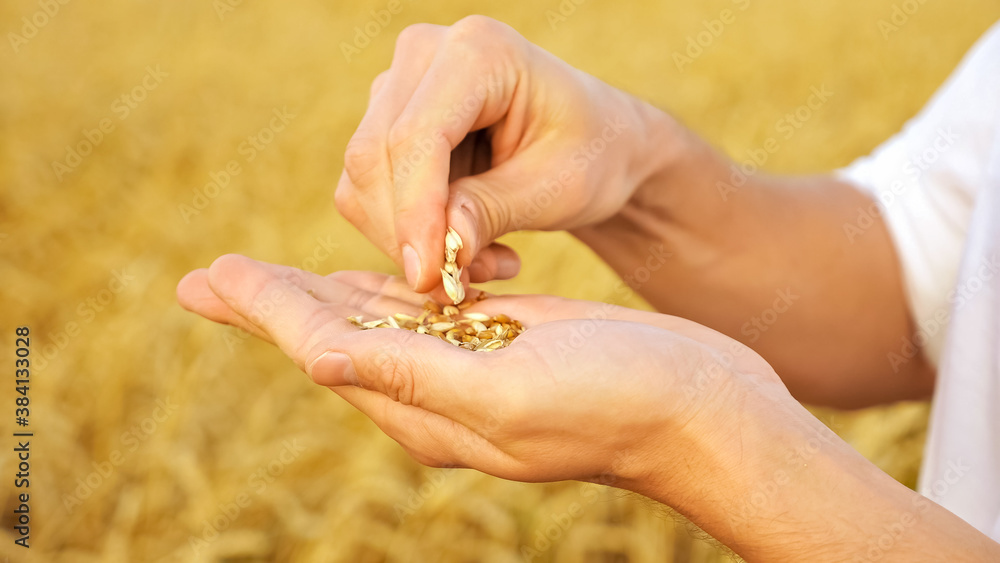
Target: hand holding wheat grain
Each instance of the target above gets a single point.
(474, 127)
(585, 392)
(647, 402)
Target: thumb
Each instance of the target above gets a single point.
(486, 206)
(411, 369)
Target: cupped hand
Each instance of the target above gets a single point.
(589, 391)
(475, 128)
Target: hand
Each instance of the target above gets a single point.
(474, 127)
(641, 401)
(590, 391)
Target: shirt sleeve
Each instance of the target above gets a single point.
(925, 180)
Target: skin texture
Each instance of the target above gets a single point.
(515, 132)
(652, 403)
(476, 128)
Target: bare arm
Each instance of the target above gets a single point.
(765, 260)
(780, 486)
(655, 404)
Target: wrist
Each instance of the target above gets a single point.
(773, 483)
(659, 147)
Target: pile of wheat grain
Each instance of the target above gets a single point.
(215, 127)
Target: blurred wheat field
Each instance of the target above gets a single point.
(162, 437)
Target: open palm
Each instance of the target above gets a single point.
(588, 391)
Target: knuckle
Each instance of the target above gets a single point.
(413, 35)
(264, 302)
(401, 138)
(378, 82)
(477, 28)
(362, 159)
(344, 198)
(356, 300)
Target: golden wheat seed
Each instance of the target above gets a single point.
(452, 240)
(453, 287)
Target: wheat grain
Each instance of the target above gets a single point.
(451, 274)
(471, 331)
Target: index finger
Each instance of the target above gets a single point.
(455, 97)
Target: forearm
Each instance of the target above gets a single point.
(766, 260)
(779, 486)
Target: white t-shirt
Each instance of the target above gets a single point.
(937, 183)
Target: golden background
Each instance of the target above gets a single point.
(151, 423)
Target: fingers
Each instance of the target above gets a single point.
(466, 87)
(414, 369)
(486, 206)
(430, 438)
(364, 193)
(277, 305)
(443, 83)
(495, 262)
(195, 295)
(406, 367)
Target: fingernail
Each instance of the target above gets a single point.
(411, 265)
(332, 369)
